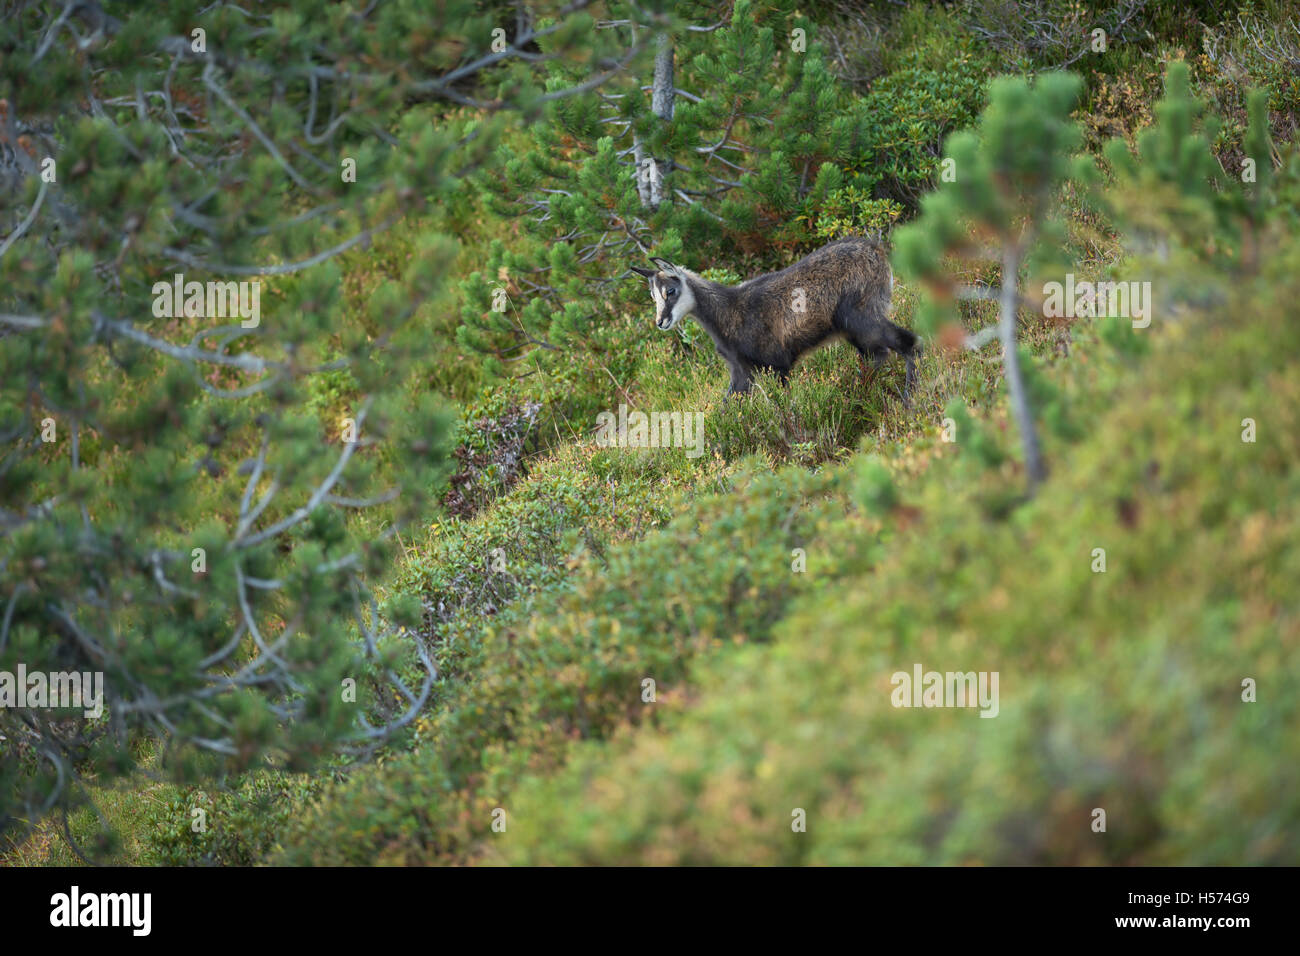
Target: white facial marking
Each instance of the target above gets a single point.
(661, 306)
(684, 304)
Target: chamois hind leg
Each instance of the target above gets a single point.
(876, 338)
(875, 355)
(861, 331)
(907, 344)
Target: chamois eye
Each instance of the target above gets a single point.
(672, 291)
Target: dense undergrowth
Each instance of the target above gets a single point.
(1120, 690)
(646, 657)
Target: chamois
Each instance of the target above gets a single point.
(841, 290)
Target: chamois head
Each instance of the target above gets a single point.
(671, 291)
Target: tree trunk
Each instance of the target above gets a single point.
(1011, 365)
(651, 174)
(663, 93)
(643, 171)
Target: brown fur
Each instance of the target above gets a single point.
(844, 288)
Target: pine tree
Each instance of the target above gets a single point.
(999, 204)
(176, 516)
(740, 156)
(1187, 196)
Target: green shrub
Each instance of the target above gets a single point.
(851, 212)
(232, 827)
(1119, 690)
(574, 667)
(900, 127)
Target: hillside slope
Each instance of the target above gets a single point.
(1120, 690)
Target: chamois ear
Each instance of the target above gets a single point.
(643, 272)
(665, 265)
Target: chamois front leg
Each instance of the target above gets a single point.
(741, 379)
